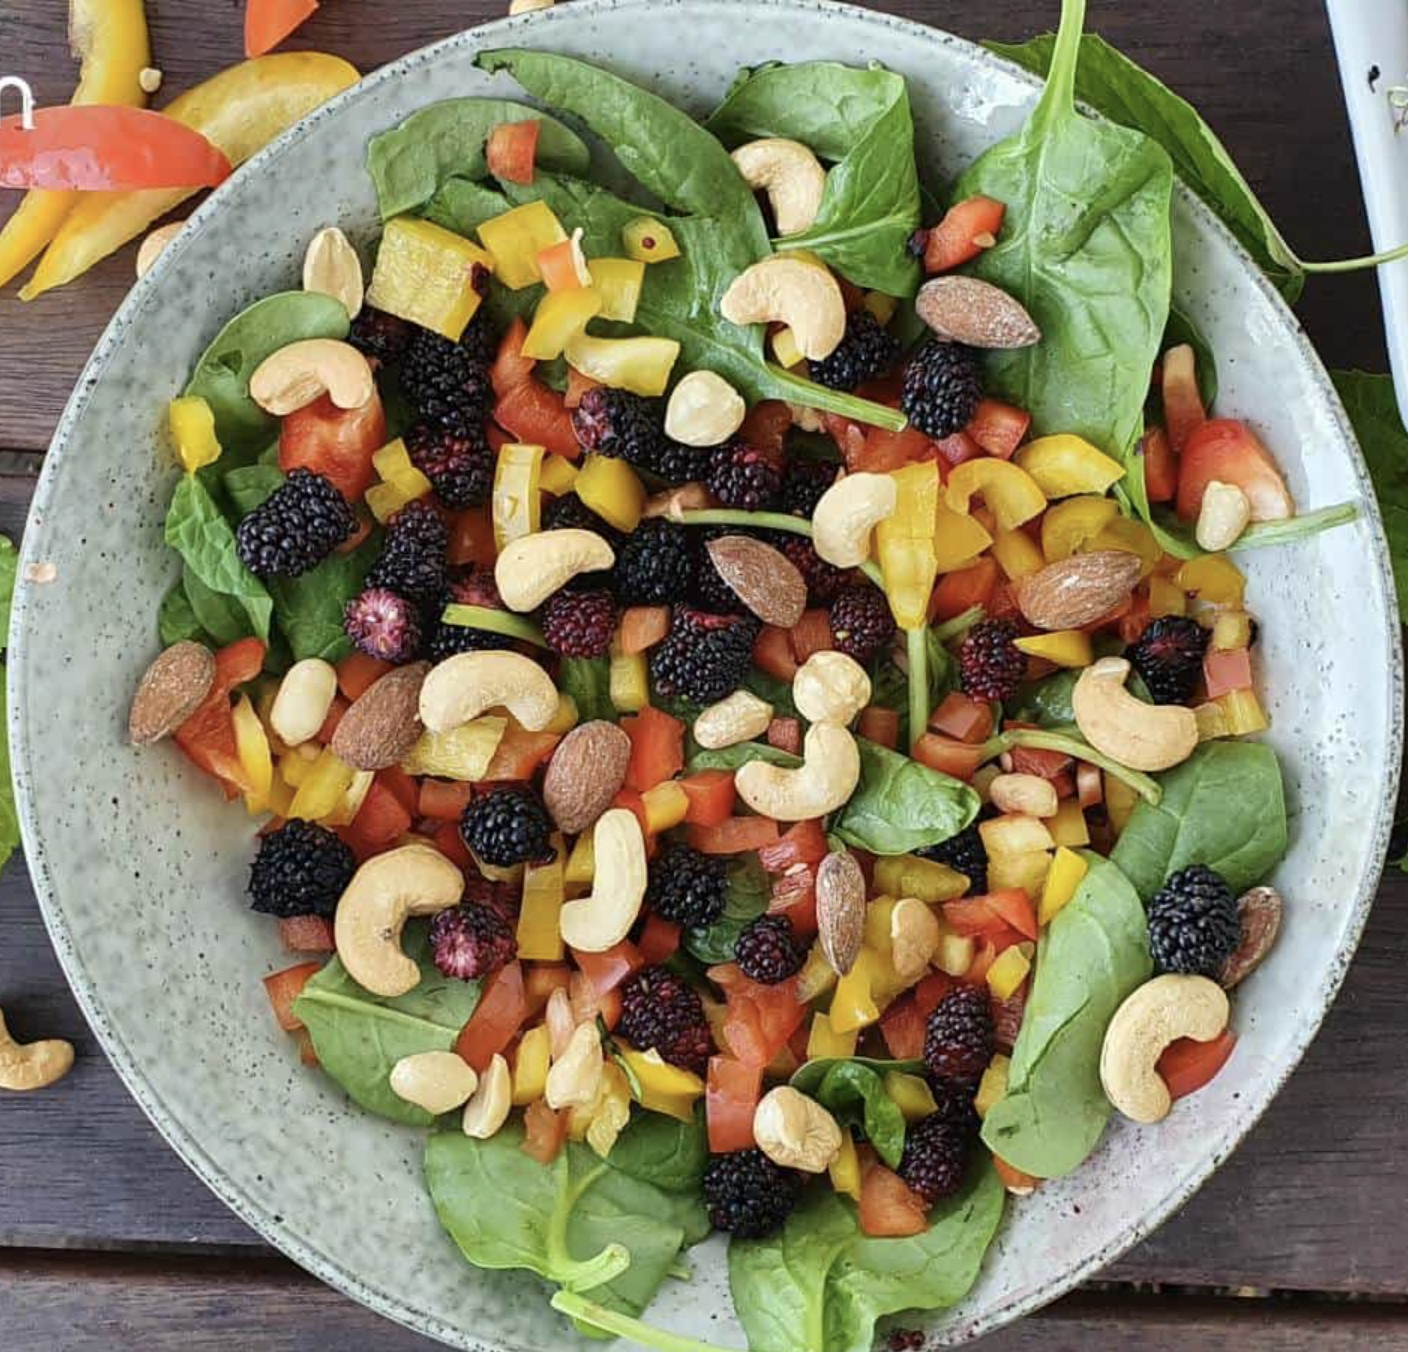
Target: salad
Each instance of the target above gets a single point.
(744, 678)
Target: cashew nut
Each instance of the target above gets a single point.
(1159, 1012)
(305, 695)
(796, 1131)
(435, 1081)
(830, 687)
(466, 685)
(914, 938)
(32, 1065)
(1224, 515)
(383, 894)
(296, 375)
(791, 176)
(793, 292)
(847, 513)
(827, 777)
(739, 718)
(532, 567)
(1141, 736)
(575, 1077)
(331, 268)
(1029, 795)
(599, 921)
(488, 1107)
(704, 410)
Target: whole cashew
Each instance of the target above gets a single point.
(1141, 736)
(488, 1107)
(704, 410)
(1159, 1012)
(575, 1077)
(791, 176)
(532, 567)
(830, 687)
(466, 685)
(32, 1065)
(435, 1081)
(296, 375)
(790, 291)
(847, 513)
(827, 777)
(739, 718)
(599, 921)
(383, 894)
(796, 1131)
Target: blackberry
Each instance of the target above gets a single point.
(862, 625)
(444, 382)
(1169, 656)
(682, 464)
(865, 352)
(704, 657)
(824, 580)
(412, 559)
(954, 1104)
(621, 425)
(569, 512)
(1193, 922)
(686, 887)
(655, 564)
(479, 338)
(935, 1157)
(941, 388)
(958, 1039)
(743, 477)
(748, 1195)
(378, 335)
(579, 624)
(470, 941)
(384, 625)
(990, 665)
(965, 853)
(506, 827)
(295, 528)
(661, 1011)
(458, 462)
(769, 951)
(803, 484)
(301, 869)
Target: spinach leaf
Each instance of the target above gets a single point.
(1087, 248)
(775, 692)
(588, 681)
(731, 757)
(197, 530)
(409, 163)
(1091, 956)
(663, 1151)
(1047, 702)
(749, 890)
(222, 374)
(858, 119)
(222, 617)
(248, 486)
(900, 806)
(309, 607)
(176, 620)
(1114, 85)
(810, 1075)
(855, 1094)
(1223, 807)
(359, 1036)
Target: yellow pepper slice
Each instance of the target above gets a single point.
(1064, 647)
(609, 486)
(1066, 874)
(905, 544)
(1017, 554)
(239, 110)
(618, 281)
(844, 1170)
(1068, 826)
(906, 875)
(193, 431)
(530, 1066)
(1070, 526)
(958, 538)
(640, 365)
(109, 38)
(539, 930)
(560, 317)
(1010, 492)
(252, 748)
(426, 274)
(1065, 464)
(825, 1041)
(1009, 971)
(992, 1088)
(911, 1095)
(1134, 537)
(516, 499)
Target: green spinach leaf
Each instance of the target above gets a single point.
(1091, 956)
(309, 607)
(854, 1092)
(220, 616)
(250, 485)
(663, 1151)
(749, 890)
(176, 620)
(1047, 702)
(740, 753)
(900, 806)
(588, 681)
(197, 530)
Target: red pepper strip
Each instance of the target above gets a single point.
(106, 149)
(268, 22)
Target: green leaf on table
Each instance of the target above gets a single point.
(309, 608)
(588, 681)
(199, 532)
(749, 890)
(853, 1090)
(901, 806)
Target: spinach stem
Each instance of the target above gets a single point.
(729, 516)
(960, 624)
(807, 392)
(1267, 533)
(1061, 82)
(1356, 264)
(586, 1274)
(623, 1326)
(917, 647)
(1040, 740)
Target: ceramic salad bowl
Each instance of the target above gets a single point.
(141, 870)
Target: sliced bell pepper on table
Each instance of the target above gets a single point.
(240, 111)
(109, 38)
(268, 22)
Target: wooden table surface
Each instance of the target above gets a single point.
(108, 1242)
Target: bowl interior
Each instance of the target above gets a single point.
(140, 866)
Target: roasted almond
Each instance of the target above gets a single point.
(1076, 591)
(763, 578)
(585, 773)
(840, 909)
(1260, 914)
(383, 723)
(975, 313)
(170, 691)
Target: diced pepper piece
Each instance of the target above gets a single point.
(785, 349)
(902, 1028)
(844, 1170)
(998, 428)
(731, 1098)
(268, 22)
(947, 756)
(642, 627)
(539, 932)
(967, 228)
(737, 835)
(581, 866)
(649, 240)
(880, 725)
(992, 1088)
(1120, 801)
(443, 802)
(381, 821)
(659, 940)
(531, 1062)
(516, 498)
(1025, 869)
(1244, 713)
(1009, 491)
(1225, 670)
(1018, 554)
(560, 316)
(618, 281)
(906, 875)
(804, 843)
(641, 365)
(665, 807)
(1187, 1065)
(773, 654)
(1166, 598)
(520, 753)
(535, 415)
(252, 748)
(544, 1132)
(557, 476)
(1063, 465)
(1213, 578)
(657, 748)
(1183, 404)
(1070, 526)
(1067, 872)
(463, 753)
(1011, 967)
(1068, 826)
(824, 1041)
(385, 500)
(962, 589)
(516, 238)
(956, 954)
(961, 716)
(496, 1018)
(611, 488)
(426, 274)
(567, 716)
(889, 1208)
(511, 150)
(958, 537)
(904, 544)
(608, 970)
(193, 431)
(711, 797)
(853, 1005)
(628, 682)
(1063, 647)
(325, 787)
(1231, 629)
(283, 988)
(393, 463)
(1227, 450)
(659, 1079)
(306, 934)
(1160, 466)
(338, 443)
(1134, 537)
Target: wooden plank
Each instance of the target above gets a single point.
(1272, 91)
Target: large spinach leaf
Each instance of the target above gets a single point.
(1223, 807)
(664, 1152)
(359, 1036)
(1092, 955)
(588, 681)
(859, 120)
(854, 1092)
(1086, 247)
(746, 899)
(250, 485)
(176, 620)
(901, 806)
(220, 616)
(309, 607)
(197, 530)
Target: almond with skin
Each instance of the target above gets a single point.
(763, 578)
(1260, 913)
(170, 691)
(975, 313)
(383, 723)
(585, 774)
(1077, 591)
(840, 909)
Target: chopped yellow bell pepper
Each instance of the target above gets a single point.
(1068, 826)
(1067, 872)
(297, 764)
(610, 487)
(1134, 537)
(540, 914)
(876, 931)
(904, 544)
(557, 476)
(1011, 968)
(324, 788)
(1213, 578)
(665, 806)
(786, 350)
(883, 307)
(955, 955)
(193, 430)
(1120, 801)
(1063, 465)
(1014, 833)
(566, 717)
(560, 317)
(629, 682)
(1232, 629)
(240, 111)
(463, 753)
(581, 865)
(906, 875)
(1009, 491)
(663, 1084)
(910, 1094)
(649, 240)
(1069, 526)
(530, 1066)
(992, 1088)
(640, 365)
(350, 804)
(516, 502)
(825, 1041)
(516, 238)
(393, 464)
(1064, 647)
(1026, 870)
(958, 538)
(844, 1170)
(1244, 712)
(618, 281)
(252, 749)
(385, 500)
(611, 1112)
(1166, 598)
(816, 977)
(425, 274)
(853, 1006)
(1017, 554)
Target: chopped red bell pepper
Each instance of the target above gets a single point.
(306, 934)
(544, 1131)
(794, 896)
(443, 800)
(511, 149)
(1225, 671)
(961, 716)
(1187, 1065)
(608, 970)
(804, 843)
(472, 538)
(642, 627)
(380, 822)
(519, 753)
(536, 415)
(998, 428)
(963, 589)
(1014, 906)
(1183, 402)
(511, 368)
(337, 443)
(1160, 466)
(889, 1207)
(737, 835)
(947, 756)
(772, 653)
(766, 426)
(659, 940)
(357, 673)
(1228, 450)
(880, 725)
(957, 449)
(208, 735)
(268, 22)
(657, 748)
(786, 735)
(730, 1101)
(968, 227)
(283, 988)
(497, 1017)
(539, 982)
(711, 797)
(903, 1028)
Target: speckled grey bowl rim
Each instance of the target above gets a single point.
(186, 1145)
